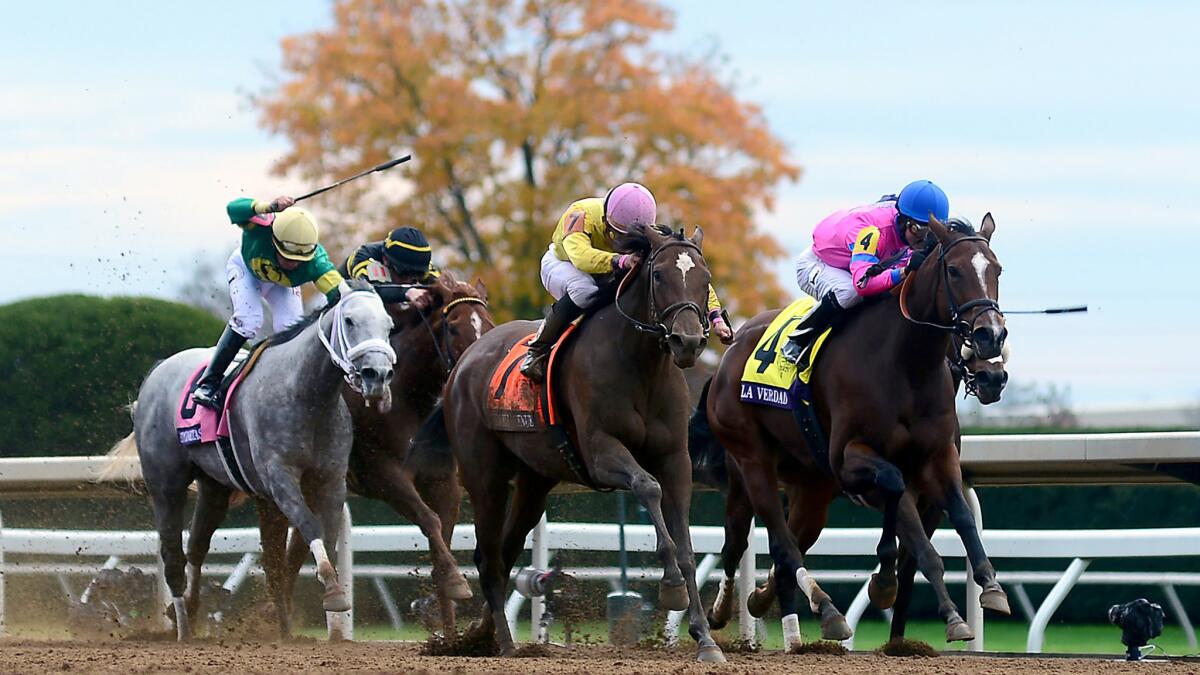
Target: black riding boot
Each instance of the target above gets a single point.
(810, 327)
(227, 347)
(562, 314)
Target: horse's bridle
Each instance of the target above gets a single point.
(957, 325)
(447, 355)
(658, 324)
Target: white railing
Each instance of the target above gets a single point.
(987, 460)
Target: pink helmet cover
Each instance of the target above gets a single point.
(629, 204)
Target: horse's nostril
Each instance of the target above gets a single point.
(370, 374)
(388, 375)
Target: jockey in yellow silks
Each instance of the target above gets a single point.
(581, 250)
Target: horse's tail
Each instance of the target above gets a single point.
(429, 454)
(122, 454)
(708, 456)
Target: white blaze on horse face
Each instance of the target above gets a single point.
(477, 324)
(684, 262)
(980, 262)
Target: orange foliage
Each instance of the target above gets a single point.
(513, 109)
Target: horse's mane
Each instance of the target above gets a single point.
(288, 334)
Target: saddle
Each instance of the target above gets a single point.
(515, 403)
(196, 425)
(770, 379)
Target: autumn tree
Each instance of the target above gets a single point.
(512, 110)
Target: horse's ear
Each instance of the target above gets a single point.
(939, 230)
(987, 227)
(698, 237)
(480, 288)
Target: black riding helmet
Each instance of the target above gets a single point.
(407, 251)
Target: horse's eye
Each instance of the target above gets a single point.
(657, 275)
(453, 330)
(349, 322)
(954, 272)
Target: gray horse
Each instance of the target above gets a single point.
(294, 431)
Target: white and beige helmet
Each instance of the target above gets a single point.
(295, 234)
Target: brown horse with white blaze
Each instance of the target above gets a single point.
(885, 396)
(624, 400)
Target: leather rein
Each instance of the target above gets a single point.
(658, 324)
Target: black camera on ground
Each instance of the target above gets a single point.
(1140, 621)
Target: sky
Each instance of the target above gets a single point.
(125, 127)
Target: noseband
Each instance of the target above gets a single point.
(442, 344)
(658, 324)
(957, 325)
(341, 352)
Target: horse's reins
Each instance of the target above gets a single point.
(957, 325)
(658, 323)
(447, 356)
(341, 352)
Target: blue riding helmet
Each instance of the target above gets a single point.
(920, 198)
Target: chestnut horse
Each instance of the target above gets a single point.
(427, 344)
(884, 393)
(623, 399)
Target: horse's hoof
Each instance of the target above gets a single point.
(673, 598)
(336, 601)
(958, 631)
(836, 628)
(716, 623)
(458, 588)
(508, 650)
(996, 600)
(882, 591)
(759, 602)
(711, 654)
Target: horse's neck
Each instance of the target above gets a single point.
(305, 365)
(917, 348)
(419, 366)
(636, 346)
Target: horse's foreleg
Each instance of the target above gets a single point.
(864, 472)
(285, 490)
(272, 530)
(945, 488)
(295, 554)
(614, 466)
(675, 470)
(739, 518)
(912, 533)
(212, 503)
(328, 497)
(401, 493)
(906, 572)
(444, 496)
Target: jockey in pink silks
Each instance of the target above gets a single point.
(848, 243)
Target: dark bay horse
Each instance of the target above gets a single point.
(983, 378)
(289, 414)
(625, 402)
(427, 344)
(886, 398)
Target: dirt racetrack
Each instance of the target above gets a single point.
(210, 657)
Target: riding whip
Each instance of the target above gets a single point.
(382, 167)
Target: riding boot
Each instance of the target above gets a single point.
(206, 393)
(810, 328)
(562, 314)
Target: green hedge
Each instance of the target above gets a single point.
(69, 365)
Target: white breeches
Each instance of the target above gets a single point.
(561, 278)
(247, 293)
(817, 278)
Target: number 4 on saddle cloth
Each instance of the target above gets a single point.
(770, 379)
(197, 425)
(517, 403)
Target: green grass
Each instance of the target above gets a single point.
(999, 636)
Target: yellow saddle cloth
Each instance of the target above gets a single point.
(770, 379)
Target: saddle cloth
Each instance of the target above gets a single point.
(769, 378)
(517, 403)
(197, 425)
